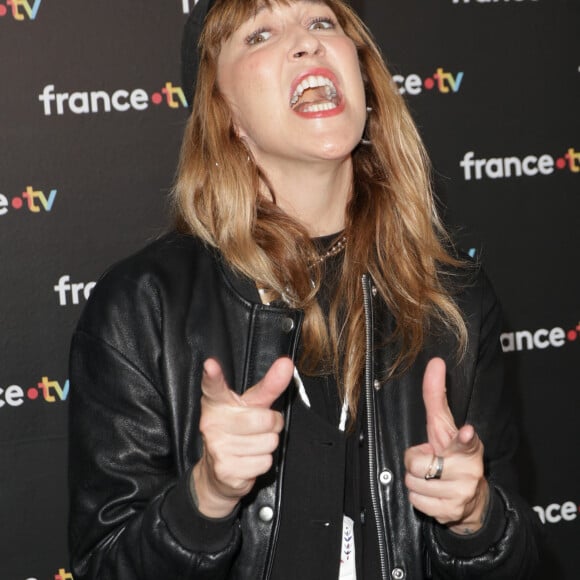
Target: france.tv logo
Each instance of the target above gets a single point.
(121, 100)
(45, 390)
(541, 338)
(20, 10)
(29, 201)
(441, 81)
(509, 167)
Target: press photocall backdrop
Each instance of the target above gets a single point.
(91, 116)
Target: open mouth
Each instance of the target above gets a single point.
(315, 93)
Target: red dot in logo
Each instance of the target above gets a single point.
(572, 335)
(3, 10)
(16, 203)
(560, 163)
(156, 98)
(32, 393)
(429, 84)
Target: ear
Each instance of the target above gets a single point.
(234, 123)
(240, 133)
(236, 126)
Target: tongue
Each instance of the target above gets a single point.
(311, 97)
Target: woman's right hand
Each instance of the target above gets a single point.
(240, 433)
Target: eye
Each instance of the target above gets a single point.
(258, 36)
(322, 23)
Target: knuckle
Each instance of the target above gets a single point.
(463, 498)
(273, 441)
(416, 464)
(221, 471)
(278, 422)
(256, 421)
(209, 421)
(270, 421)
(241, 487)
(252, 420)
(204, 423)
(266, 463)
(413, 499)
(470, 490)
(455, 514)
(214, 445)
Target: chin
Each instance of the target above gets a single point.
(333, 150)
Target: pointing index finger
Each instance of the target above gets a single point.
(214, 385)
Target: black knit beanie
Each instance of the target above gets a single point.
(189, 49)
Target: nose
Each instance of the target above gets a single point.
(305, 43)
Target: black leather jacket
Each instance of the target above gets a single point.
(136, 365)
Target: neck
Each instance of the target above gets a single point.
(314, 194)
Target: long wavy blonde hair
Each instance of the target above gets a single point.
(394, 232)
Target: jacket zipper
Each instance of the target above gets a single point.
(379, 520)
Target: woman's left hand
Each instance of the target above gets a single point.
(460, 496)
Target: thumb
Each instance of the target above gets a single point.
(466, 441)
(214, 385)
(441, 427)
(275, 382)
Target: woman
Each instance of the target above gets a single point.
(302, 381)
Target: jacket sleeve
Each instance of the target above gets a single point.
(131, 513)
(506, 545)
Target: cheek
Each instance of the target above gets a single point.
(357, 78)
(256, 105)
(347, 55)
(257, 82)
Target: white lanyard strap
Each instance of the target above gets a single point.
(304, 396)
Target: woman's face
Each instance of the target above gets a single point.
(292, 79)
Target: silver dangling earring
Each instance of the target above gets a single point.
(364, 140)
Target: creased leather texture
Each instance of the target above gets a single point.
(135, 369)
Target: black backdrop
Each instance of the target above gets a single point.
(90, 122)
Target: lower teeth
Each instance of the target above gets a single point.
(319, 107)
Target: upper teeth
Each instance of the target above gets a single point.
(313, 82)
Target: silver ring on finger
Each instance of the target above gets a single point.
(435, 469)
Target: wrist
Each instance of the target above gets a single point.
(475, 519)
(208, 501)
